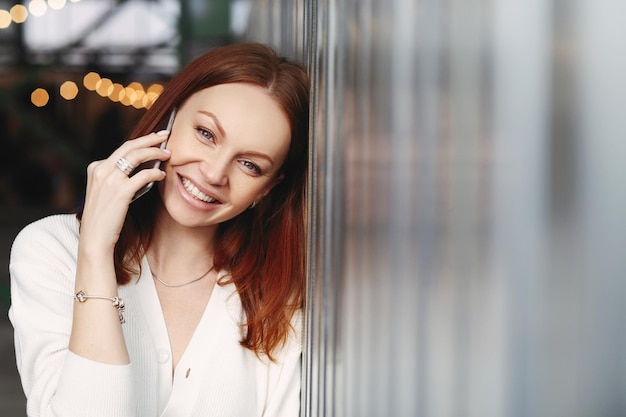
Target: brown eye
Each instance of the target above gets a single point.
(206, 134)
(252, 167)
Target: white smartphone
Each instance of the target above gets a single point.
(153, 164)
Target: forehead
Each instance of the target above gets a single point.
(245, 111)
(237, 100)
(241, 98)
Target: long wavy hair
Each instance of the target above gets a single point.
(263, 249)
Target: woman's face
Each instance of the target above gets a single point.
(228, 143)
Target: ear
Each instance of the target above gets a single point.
(269, 186)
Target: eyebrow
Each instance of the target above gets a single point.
(221, 129)
(215, 119)
(261, 155)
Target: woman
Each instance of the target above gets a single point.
(185, 302)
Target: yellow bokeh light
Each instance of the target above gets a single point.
(5, 19)
(56, 4)
(69, 90)
(104, 86)
(150, 99)
(155, 89)
(139, 95)
(90, 80)
(136, 86)
(39, 97)
(145, 101)
(116, 92)
(19, 13)
(37, 7)
(130, 95)
(125, 96)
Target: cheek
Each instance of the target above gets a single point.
(244, 190)
(182, 152)
(174, 146)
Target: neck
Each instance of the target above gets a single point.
(178, 253)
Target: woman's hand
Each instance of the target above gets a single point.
(110, 191)
(96, 326)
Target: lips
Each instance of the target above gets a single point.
(196, 193)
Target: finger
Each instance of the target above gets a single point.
(139, 156)
(144, 177)
(104, 190)
(150, 140)
(93, 165)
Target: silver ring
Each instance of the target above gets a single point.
(124, 165)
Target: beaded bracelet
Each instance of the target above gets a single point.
(118, 303)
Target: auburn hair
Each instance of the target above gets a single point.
(262, 249)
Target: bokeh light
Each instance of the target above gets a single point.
(126, 96)
(155, 89)
(39, 97)
(37, 7)
(104, 87)
(69, 90)
(56, 4)
(90, 81)
(133, 94)
(116, 93)
(19, 13)
(5, 19)
(136, 86)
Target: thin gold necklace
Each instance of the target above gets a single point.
(186, 283)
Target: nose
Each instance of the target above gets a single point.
(215, 169)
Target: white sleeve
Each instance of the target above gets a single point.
(56, 382)
(283, 390)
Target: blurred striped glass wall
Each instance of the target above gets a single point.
(468, 205)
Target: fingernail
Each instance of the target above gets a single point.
(167, 151)
(163, 132)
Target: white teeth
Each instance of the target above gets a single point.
(193, 190)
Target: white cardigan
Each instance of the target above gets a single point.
(214, 377)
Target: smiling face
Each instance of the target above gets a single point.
(228, 143)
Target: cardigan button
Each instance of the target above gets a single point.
(163, 356)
